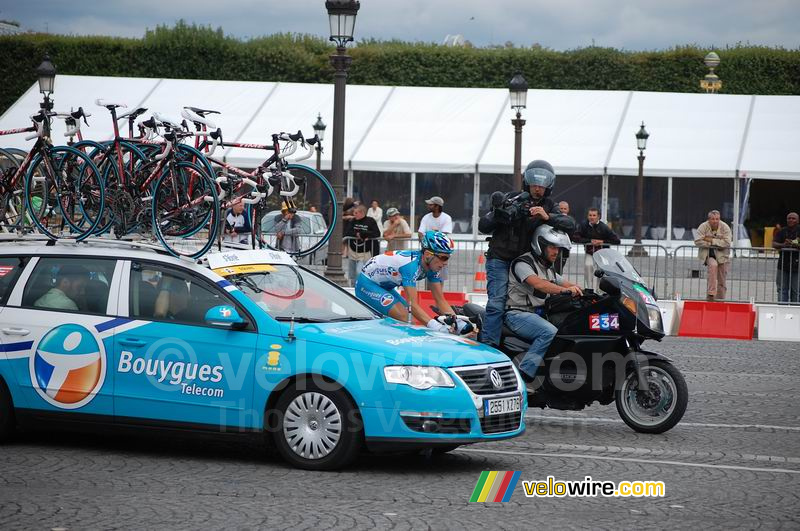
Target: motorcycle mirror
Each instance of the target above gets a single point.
(599, 273)
(609, 286)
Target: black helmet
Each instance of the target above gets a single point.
(540, 173)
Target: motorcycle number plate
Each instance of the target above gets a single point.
(501, 406)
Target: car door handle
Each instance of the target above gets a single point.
(132, 342)
(16, 331)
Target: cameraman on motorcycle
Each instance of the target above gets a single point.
(511, 222)
(532, 280)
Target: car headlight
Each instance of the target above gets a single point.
(418, 377)
(654, 315)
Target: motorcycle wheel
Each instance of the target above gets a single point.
(658, 409)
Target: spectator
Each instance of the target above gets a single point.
(596, 235)
(436, 219)
(563, 207)
(375, 212)
(288, 230)
(714, 238)
(396, 231)
(362, 231)
(312, 208)
(237, 224)
(788, 278)
(69, 288)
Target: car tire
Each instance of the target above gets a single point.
(317, 428)
(7, 421)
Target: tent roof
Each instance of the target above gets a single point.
(458, 130)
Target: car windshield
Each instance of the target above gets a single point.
(610, 261)
(287, 292)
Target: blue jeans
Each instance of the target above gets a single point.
(788, 282)
(535, 329)
(496, 291)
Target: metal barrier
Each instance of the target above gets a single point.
(672, 273)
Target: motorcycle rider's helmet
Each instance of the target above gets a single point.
(546, 235)
(437, 242)
(540, 173)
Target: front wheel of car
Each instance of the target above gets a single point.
(6, 413)
(316, 428)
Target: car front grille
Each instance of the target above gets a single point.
(501, 423)
(480, 382)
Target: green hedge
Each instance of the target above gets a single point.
(203, 53)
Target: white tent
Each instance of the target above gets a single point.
(457, 130)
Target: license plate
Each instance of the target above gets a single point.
(500, 406)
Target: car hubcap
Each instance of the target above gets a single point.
(312, 425)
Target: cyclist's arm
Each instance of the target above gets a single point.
(416, 310)
(438, 295)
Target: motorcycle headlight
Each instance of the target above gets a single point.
(654, 315)
(418, 377)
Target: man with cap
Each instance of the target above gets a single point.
(70, 286)
(436, 219)
(288, 229)
(396, 231)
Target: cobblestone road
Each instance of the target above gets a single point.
(733, 462)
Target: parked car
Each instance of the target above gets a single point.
(313, 228)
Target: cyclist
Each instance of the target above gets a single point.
(383, 273)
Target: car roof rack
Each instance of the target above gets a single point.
(124, 241)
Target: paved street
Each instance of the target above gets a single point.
(733, 462)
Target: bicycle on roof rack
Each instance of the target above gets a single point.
(298, 187)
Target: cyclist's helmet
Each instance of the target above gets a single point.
(437, 242)
(546, 235)
(540, 173)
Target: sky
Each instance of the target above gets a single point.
(556, 24)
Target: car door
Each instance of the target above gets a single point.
(57, 337)
(171, 365)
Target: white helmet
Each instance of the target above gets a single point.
(546, 235)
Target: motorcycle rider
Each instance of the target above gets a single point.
(531, 281)
(384, 272)
(512, 222)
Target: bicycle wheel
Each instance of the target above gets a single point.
(11, 202)
(185, 210)
(64, 193)
(316, 225)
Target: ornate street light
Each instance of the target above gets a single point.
(518, 89)
(46, 72)
(641, 144)
(711, 83)
(319, 129)
(342, 18)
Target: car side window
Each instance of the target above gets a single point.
(158, 293)
(70, 284)
(10, 269)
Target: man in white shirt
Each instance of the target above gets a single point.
(436, 219)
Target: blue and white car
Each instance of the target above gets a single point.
(120, 335)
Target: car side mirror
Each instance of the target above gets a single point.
(225, 316)
(609, 286)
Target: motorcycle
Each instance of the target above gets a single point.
(597, 353)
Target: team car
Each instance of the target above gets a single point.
(115, 334)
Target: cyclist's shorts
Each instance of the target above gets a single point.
(377, 297)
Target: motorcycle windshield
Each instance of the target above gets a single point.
(611, 262)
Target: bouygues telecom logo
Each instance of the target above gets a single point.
(68, 366)
(495, 486)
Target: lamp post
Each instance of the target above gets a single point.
(319, 129)
(518, 89)
(641, 143)
(342, 18)
(46, 73)
(711, 83)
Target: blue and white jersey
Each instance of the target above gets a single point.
(399, 268)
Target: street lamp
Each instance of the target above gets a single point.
(641, 144)
(342, 18)
(711, 83)
(319, 129)
(46, 73)
(518, 89)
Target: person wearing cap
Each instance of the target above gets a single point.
(70, 285)
(436, 219)
(396, 231)
(288, 230)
